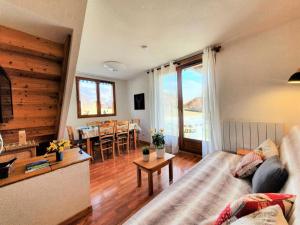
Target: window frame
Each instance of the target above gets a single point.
(97, 81)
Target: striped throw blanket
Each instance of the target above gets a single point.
(198, 197)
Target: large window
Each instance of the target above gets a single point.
(95, 97)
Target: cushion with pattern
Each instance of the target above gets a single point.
(253, 202)
(248, 165)
(271, 215)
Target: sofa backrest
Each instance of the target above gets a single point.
(290, 156)
(248, 135)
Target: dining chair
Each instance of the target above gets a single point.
(136, 120)
(107, 138)
(74, 143)
(122, 135)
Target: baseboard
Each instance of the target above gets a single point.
(77, 216)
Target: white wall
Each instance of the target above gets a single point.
(253, 74)
(252, 79)
(139, 85)
(121, 104)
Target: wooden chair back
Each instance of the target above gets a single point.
(94, 123)
(70, 133)
(122, 127)
(106, 130)
(136, 120)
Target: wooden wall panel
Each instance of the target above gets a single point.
(18, 41)
(31, 84)
(33, 64)
(37, 71)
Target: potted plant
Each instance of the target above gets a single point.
(146, 154)
(158, 140)
(58, 147)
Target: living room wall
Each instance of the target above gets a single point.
(253, 74)
(252, 79)
(139, 85)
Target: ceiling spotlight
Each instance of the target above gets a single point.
(144, 46)
(114, 66)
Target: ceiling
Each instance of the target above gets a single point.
(115, 29)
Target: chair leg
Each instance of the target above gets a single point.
(113, 149)
(118, 146)
(102, 156)
(127, 145)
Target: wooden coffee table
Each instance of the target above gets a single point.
(152, 166)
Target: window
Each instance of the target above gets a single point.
(192, 101)
(95, 98)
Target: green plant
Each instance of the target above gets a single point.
(158, 138)
(146, 151)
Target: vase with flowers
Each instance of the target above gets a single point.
(158, 140)
(58, 147)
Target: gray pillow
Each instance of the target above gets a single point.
(270, 176)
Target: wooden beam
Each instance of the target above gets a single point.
(24, 63)
(28, 122)
(18, 41)
(11, 136)
(32, 111)
(32, 84)
(21, 97)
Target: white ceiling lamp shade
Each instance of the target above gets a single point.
(114, 66)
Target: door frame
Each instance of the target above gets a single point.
(185, 144)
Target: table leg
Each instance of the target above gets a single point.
(171, 170)
(150, 183)
(134, 138)
(88, 146)
(139, 176)
(159, 171)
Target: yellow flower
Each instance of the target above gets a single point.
(61, 149)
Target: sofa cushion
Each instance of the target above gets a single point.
(248, 165)
(252, 203)
(270, 176)
(268, 148)
(270, 215)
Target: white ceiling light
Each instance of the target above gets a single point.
(114, 66)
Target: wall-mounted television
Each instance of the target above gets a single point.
(6, 105)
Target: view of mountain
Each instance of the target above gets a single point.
(195, 105)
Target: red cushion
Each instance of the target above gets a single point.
(254, 202)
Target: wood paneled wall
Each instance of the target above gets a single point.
(37, 69)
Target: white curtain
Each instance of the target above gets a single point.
(212, 138)
(164, 104)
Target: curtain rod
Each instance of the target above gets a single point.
(216, 48)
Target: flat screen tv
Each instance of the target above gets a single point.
(6, 106)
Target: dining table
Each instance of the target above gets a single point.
(89, 132)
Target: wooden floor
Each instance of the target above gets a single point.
(114, 192)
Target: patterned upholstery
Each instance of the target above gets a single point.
(198, 197)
